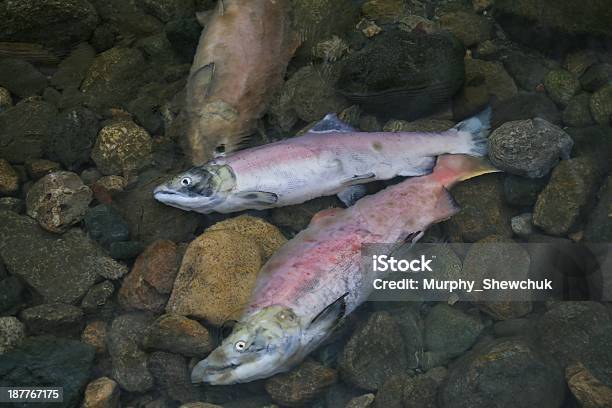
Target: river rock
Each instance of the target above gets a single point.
(525, 106)
(384, 11)
(58, 201)
(72, 70)
(14, 204)
(587, 388)
(483, 211)
(219, 269)
(522, 225)
(568, 331)
(24, 130)
(561, 86)
(44, 360)
(470, 28)
(113, 78)
(528, 148)
(51, 23)
(150, 282)
(46, 262)
(105, 225)
(302, 384)
(128, 359)
(450, 331)
(94, 334)
(601, 105)
(38, 168)
(500, 372)
(596, 76)
(12, 333)
(129, 19)
(527, 68)
(122, 148)
(599, 225)
(178, 334)
(362, 401)
(522, 191)
(150, 220)
(102, 392)
(97, 296)
(578, 111)
(369, 357)
(579, 61)
(11, 289)
(562, 202)
(27, 83)
(9, 179)
(411, 71)
(57, 318)
(595, 143)
(72, 136)
(171, 376)
(6, 101)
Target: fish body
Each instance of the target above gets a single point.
(315, 278)
(327, 160)
(239, 63)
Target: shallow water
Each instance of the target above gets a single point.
(115, 297)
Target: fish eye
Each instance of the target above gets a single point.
(186, 181)
(240, 345)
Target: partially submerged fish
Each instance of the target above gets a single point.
(329, 159)
(315, 279)
(239, 63)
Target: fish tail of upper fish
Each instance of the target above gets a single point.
(475, 131)
(453, 168)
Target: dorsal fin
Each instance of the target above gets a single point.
(331, 123)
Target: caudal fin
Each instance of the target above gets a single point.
(475, 130)
(453, 168)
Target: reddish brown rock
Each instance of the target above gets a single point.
(302, 384)
(9, 179)
(95, 335)
(178, 334)
(101, 393)
(150, 282)
(38, 168)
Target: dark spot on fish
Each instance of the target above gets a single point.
(377, 146)
(251, 196)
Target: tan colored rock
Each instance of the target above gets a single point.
(122, 147)
(5, 99)
(178, 334)
(38, 168)
(216, 277)
(58, 201)
(112, 184)
(94, 334)
(266, 234)
(148, 284)
(498, 82)
(101, 393)
(588, 390)
(362, 401)
(9, 179)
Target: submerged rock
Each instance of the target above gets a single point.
(384, 11)
(46, 262)
(369, 358)
(561, 85)
(601, 105)
(529, 147)
(587, 388)
(522, 191)
(403, 75)
(219, 269)
(599, 225)
(12, 333)
(596, 76)
(97, 296)
(9, 179)
(122, 148)
(44, 360)
(94, 334)
(58, 201)
(570, 189)
(38, 168)
(178, 334)
(172, 376)
(578, 111)
(102, 392)
(579, 61)
(104, 225)
(498, 83)
(302, 384)
(6, 101)
(499, 372)
(24, 130)
(21, 78)
(72, 136)
(470, 28)
(449, 331)
(71, 71)
(57, 318)
(525, 106)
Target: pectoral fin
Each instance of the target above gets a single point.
(331, 123)
(329, 317)
(200, 84)
(352, 194)
(259, 197)
(359, 179)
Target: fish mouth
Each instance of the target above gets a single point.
(205, 373)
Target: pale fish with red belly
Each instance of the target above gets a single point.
(315, 279)
(331, 158)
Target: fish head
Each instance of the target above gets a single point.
(199, 189)
(262, 344)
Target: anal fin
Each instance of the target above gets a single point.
(352, 194)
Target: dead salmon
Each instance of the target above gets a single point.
(331, 158)
(315, 279)
(239, 64)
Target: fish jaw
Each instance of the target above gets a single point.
(265, 342)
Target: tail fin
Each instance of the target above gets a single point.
(477, 127)
(453, 168)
